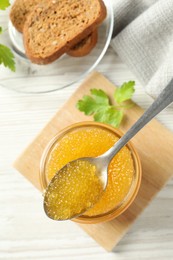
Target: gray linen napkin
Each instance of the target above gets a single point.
(143, 38)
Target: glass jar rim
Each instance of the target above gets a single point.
(119, 209)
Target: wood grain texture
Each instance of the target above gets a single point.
(26, 233)
(151, 144)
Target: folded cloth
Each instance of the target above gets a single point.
(143, 38)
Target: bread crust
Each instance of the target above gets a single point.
(84, 47)
(71, 41)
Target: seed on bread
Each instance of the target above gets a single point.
(53, 29)
(85, 46)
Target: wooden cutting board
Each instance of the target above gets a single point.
(151, 143)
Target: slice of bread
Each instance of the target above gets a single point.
(54, 28)
(19, 11)
(21, 8)
(84, 47)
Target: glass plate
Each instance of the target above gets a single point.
(31, 78)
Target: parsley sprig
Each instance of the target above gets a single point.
(6, 55)
(98, 104)
(4, 4)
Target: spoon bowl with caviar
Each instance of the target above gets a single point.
(65, 198)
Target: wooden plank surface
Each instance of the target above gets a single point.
(152, 146)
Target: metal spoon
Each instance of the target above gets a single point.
(102, 162)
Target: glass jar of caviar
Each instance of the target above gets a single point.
(90, 139)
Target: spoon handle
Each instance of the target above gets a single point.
(164, 100)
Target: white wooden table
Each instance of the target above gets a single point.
(25, 232)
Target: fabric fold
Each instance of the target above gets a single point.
(143, 38)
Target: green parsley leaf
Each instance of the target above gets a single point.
(98, 104)
(90, 105)
(4, 4)
(110, 116)
(0, 29)
(100, 96)
(87, 105)
(125, 92)
(7, 57)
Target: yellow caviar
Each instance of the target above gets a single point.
(91, 142)
(73, 190)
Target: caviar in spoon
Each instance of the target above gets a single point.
(73, 190)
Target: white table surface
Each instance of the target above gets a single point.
(25, 232)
